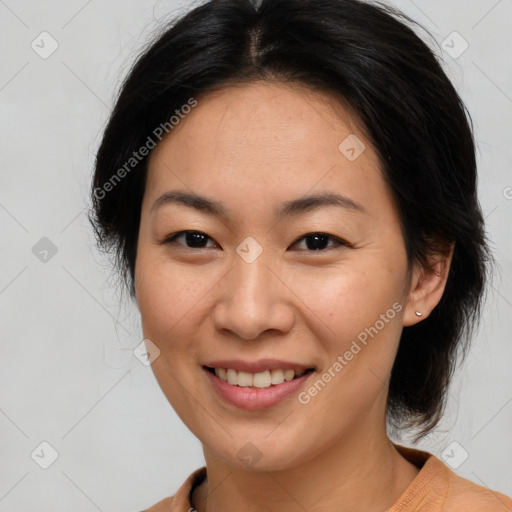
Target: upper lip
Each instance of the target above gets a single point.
(257, 366)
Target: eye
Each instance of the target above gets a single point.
(314, 241)
(193, 239)
(318, 241)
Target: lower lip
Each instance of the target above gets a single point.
(250, 398)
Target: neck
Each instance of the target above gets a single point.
(364, 472)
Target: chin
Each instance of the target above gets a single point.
(259, 454)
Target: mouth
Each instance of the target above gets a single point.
(256, 391)
(259, 380)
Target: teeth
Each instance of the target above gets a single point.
(258, 380)
(289, 374)
(244, 379)
(232, 377)
(277, 376)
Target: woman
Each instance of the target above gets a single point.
(290, 189)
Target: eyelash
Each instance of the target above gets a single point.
(171, 239)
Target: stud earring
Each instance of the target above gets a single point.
(418, 313)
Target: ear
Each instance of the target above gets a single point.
(427, 285)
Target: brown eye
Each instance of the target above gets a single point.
(192, 239)
(319, 241)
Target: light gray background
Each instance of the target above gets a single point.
(68, 375)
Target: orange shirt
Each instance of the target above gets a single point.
(436, 488)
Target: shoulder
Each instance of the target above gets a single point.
(180, 501)
(438, 488)
(161, 506)
(465, 495)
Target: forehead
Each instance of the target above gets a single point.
(266, 139)
(283, 116)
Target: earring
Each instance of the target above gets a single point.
(418, 313)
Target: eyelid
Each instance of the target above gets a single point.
(339, 242)
(170, 239)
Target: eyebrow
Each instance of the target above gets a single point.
(288, 208)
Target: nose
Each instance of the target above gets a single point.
(251, 300)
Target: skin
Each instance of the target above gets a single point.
(252, 147)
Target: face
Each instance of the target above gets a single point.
(294, 258)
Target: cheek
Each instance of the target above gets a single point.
(168, 296)
(349, 299)
(169, 301)
(356, 314)
(357, 318)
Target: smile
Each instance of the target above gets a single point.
(255, 391)
(261, 380)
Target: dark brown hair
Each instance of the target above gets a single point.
(368, 55)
